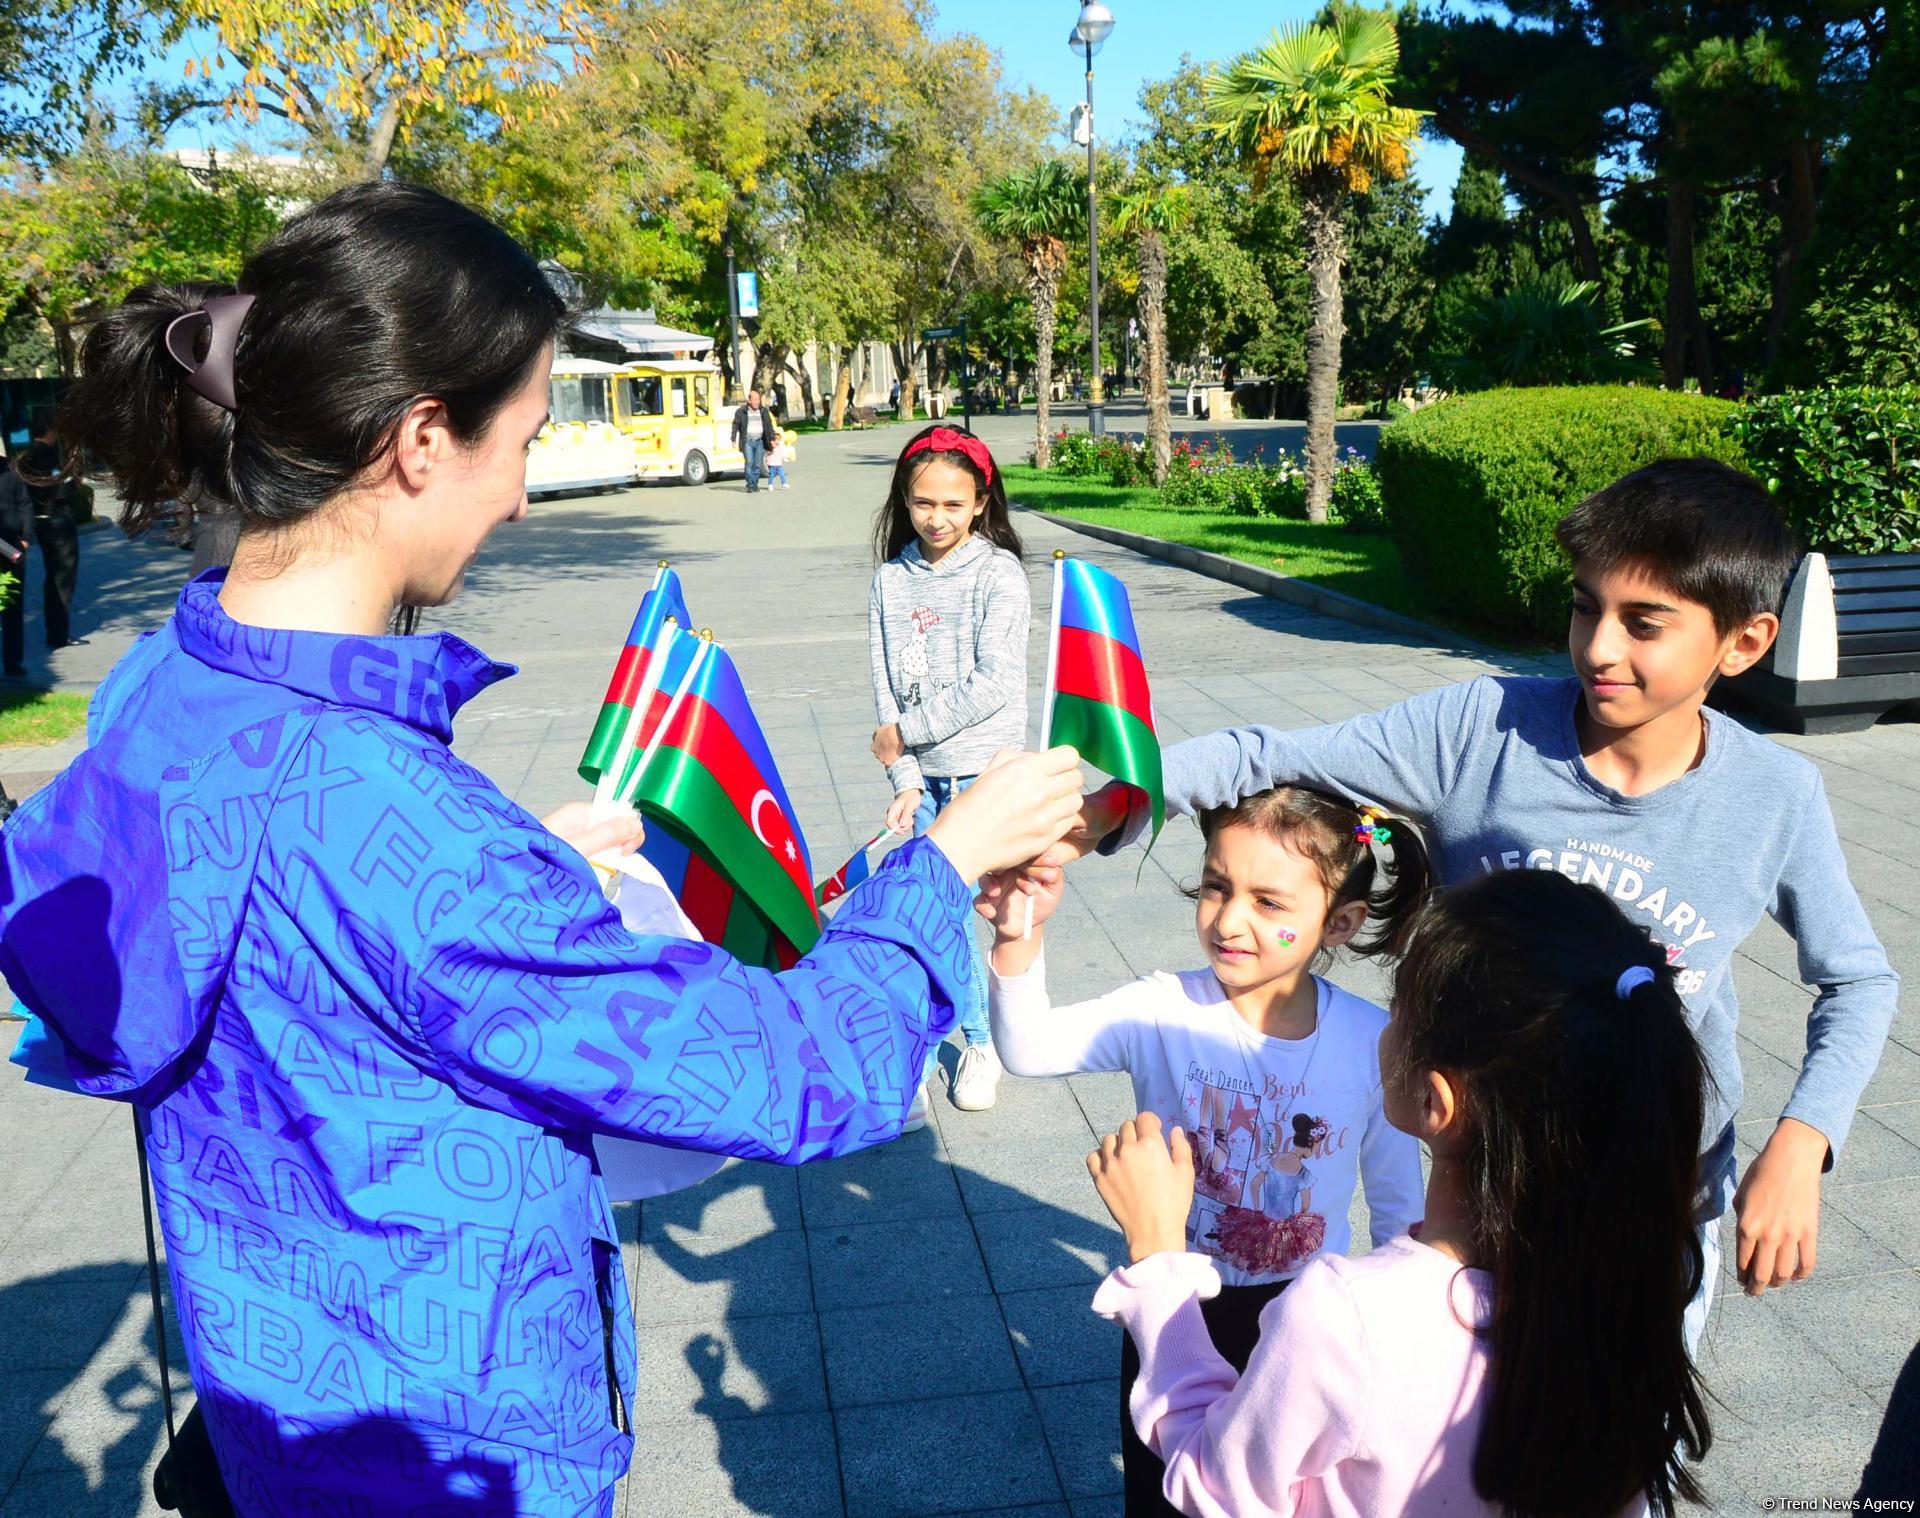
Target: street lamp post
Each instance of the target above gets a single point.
(1095, 22)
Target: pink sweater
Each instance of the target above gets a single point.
(1363, 1396)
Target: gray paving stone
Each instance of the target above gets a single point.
(1057, 1336)
(918, 1261)
(1042, 1246)
(952, 1455)
(736, 1368)
(1041, 1172)
(881, 1354)
(1865, 1324)
(908, 1178)
(773, 1466)
(1083, 1431)
(688, 1279)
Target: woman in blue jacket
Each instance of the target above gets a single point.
(370, 1009)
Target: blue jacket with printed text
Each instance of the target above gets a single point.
(371, 1011)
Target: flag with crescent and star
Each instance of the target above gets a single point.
(720, 827)
(665, 599)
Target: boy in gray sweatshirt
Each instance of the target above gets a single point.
(1622, 778)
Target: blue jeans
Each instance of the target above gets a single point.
(756, 452)
(934, 799)
(777, 474)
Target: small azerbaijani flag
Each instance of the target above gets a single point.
(629, 674)
(1097, 695)
(721, 829)
(850, 874)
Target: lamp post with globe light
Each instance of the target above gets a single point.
(1095, 22)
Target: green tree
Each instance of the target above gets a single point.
(1038, 209)
(1315, 104)
(108, 218)
(1388, 290)
(1147, 212)
(1858, 309)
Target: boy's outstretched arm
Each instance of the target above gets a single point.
(1403, 758)
(1778, 1203)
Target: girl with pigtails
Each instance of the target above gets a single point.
(1272, 1070)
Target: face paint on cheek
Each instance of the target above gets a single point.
(1288, 937)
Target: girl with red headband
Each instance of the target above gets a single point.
(947, 632)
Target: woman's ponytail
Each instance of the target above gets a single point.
(164, 445)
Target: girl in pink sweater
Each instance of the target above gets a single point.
(1525, 1355)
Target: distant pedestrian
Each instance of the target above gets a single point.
(779, 450)
(754, 425)
(49, 476)
(16, 532)
(893, 397)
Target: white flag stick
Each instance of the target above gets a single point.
(1046, 699)
(606, 788)
(673, 708)
(609, 780)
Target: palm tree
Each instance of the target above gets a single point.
(1037, 208)
(1313, 104)
(1148, 212)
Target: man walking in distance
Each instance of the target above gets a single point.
(753, 426)
(43, 469)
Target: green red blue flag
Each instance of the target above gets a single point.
(664, 600)
(1099, 700)
(720, 826)
(850, 874)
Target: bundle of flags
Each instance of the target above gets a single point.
(687, 751)
(663, 600)
(1097, 697)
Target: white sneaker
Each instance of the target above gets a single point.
(976, 1080)
(917, 1113)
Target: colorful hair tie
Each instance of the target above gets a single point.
(1631, 979)
(1369, 831)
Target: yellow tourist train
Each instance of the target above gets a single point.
(610, 425)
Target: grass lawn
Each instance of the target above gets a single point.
(1356, 564)
(29, 717)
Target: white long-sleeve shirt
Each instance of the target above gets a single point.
(1282, 1128)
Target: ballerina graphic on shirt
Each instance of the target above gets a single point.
(1224, 1142)
(1277, 1231)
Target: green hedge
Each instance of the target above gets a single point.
(1475, 486)
(1844, 464)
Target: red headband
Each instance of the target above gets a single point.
(946, 440)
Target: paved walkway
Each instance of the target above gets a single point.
(906, 1331)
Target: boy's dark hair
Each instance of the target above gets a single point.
(893, 527)
(1580, 1151)
(378, 295)
(45, 419)
(1320, 828)
(1706, 529)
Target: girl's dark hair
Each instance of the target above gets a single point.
(1580, 1150)
(893, 528)
(378, 296)
(1321, 828)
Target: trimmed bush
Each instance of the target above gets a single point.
(1843, 464)
(1475, 486)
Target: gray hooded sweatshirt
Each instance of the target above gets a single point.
(948, 643)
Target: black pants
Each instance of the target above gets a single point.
(13, 617)
(1233, 1322)
(59, 542)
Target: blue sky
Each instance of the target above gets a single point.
(1148, 38)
